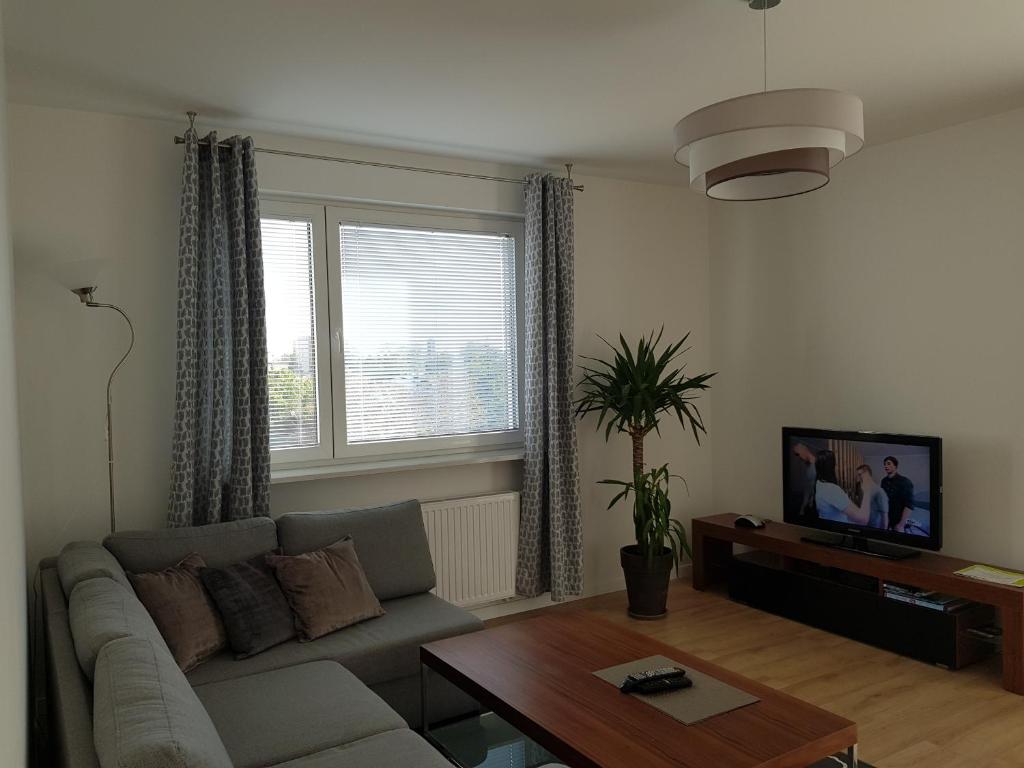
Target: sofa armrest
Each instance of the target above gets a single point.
(69, 693)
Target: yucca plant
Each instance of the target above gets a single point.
(630, 394)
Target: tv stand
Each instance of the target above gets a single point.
(862, 545)
(714, 537)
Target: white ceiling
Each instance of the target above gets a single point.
(601, 82)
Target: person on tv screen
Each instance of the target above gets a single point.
(809, 477)
(900, 492)
(831, 500)
(878, 502)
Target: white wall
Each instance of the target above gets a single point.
(641, 261)
(90, 185)
(891, 301)
(13, 616)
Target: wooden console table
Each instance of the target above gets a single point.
(714, 536)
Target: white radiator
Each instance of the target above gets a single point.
(473, 544)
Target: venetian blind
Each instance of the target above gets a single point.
(429, 331)
(291, 332)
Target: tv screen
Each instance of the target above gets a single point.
(867, 484)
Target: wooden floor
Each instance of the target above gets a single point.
(908, 713)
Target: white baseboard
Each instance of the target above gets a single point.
(509, 607)
(522, 604)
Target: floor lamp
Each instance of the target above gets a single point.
(85, 295)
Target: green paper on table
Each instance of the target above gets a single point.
(994, 575)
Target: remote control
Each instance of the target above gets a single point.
(663, 685)
(652, 678)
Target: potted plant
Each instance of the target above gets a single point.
(630, 394)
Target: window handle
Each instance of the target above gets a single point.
(336, 340)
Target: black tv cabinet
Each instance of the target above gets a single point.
(851, 604)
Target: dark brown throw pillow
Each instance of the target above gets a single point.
(326, 589)
(182, 611)
(255, 612)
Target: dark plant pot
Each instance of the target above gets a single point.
(646, 581)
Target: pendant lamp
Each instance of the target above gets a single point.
(770, 144)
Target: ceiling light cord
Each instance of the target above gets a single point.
(764, 42)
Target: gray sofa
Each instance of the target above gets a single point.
(347, 700)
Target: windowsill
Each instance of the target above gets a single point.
(378, 465)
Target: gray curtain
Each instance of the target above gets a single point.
(550, 530)
(221, 449)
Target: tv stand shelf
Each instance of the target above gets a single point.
(714, 537)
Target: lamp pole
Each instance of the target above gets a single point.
(85, 295)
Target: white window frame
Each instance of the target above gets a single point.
(334, 456)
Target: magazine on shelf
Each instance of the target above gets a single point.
(923, 597)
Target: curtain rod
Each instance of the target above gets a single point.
(374, 164)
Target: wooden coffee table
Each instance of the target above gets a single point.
(537, 674)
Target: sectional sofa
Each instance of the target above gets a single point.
(346, 700)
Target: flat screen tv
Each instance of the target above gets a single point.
(864, 486)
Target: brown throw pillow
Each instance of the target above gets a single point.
(255, 611)
(182, 611)
(326, 589)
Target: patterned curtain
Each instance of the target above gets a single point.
(550, 530)
(221, 449)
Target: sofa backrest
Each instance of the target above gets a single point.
(391, 543)
(82, 560)
(100, 611)
(220, 544)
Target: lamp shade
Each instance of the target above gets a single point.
(771, 144)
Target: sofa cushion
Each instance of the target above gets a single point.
(219, 544)
(146, 715)
(391, 542)
(375, 651)
(81, 560)
(101, 610)
(327, 589)
(394, 749)
(281, 715)
(183, 611)
(254, 609)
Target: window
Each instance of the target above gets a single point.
(291, 347)
(391, 335)
(297, 380)
(430, 332)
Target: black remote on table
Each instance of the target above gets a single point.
(656, 681)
